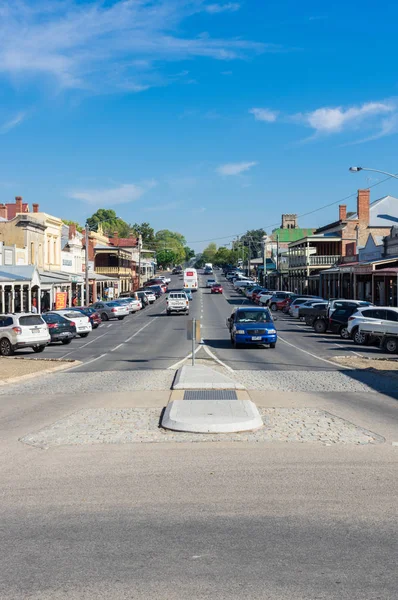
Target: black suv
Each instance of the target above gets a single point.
(60, 329)
(337, 322)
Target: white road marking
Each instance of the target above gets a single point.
(142, 328)
(86, 363)
(180, 362)
(84, 345)
(110, 325)
(313, 355)
(214, 357)
(357, 353)
(116, 347)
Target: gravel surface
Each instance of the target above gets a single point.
(315, 381)
(121, 426)
(356, 380)
(113, 381)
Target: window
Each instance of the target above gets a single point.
(375, 313)
(391, 315)
(31, 320)
(32, 253)
(55, 252)
(6, 321)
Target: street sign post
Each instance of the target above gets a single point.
(193, 333)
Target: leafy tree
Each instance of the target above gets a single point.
(209, 253)
(252, 240)
(147, 233)
(78, 227)
(166, 258)
(110, 223)
(171, 240)
(222, 257)
(189, 253)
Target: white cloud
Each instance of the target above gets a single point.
(264, 114)
(219, 8)
(235, 168)
(13, 122)
(334, 120)
(105, 197)
(106, 46)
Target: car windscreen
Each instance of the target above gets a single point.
(112, 304)
(183, 296)
(251, 316)
(73, 315)
(51, 318)
(30, 320)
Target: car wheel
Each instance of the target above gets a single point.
(104, 317)
(66, 342)
(344, 333)
(6, 348)
(38, 349)
(120, 318)
(320, 326)
(236, 345)
(302, 319)
(187, 312)
(274, 307)
(272, 345)
(168, 312)
(359, 338)
(391, 345)
(83, 335)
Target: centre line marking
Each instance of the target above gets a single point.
(84, 345)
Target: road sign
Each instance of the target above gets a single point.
(193, 330)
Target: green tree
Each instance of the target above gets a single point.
(189, 253)
(166, 258)
(110, 223)
(209, 253)
(68, 222)
(171, 240)
(252, 240)
(222, 257)
(147, 233)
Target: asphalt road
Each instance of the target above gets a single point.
(150, 339)
(170, 521)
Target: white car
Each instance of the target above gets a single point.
(133, 304)
(369, 313)
(22, 330)
(210, 283)
(167, 280)
(242, 283)
(82, 323)
(265, 297)
(150, 295)
(308, 304)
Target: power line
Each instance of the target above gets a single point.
(311, 212)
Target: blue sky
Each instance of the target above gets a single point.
(204, 117)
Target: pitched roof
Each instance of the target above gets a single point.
(12, 209)
(131, 242)
(291, 235)
(383, 212)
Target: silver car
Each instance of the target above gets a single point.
(111, 310)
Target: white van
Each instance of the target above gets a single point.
(191, 279)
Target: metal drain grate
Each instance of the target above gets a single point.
(210, 395)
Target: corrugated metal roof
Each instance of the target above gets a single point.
(291, 235)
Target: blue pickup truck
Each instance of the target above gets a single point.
(252, 325)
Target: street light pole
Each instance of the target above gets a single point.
(86, 268)
(357, 169)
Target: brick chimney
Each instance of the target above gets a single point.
(342, 212)
(18, 204)
(72, 230)
(3, 211)
(363, 210)
(35, 208)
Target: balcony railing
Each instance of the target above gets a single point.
(117, 271)
(326, 260)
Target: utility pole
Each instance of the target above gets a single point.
(277, 260)
(86, 268)
(139, 259)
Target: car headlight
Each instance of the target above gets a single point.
(240, 331)
(271, 331)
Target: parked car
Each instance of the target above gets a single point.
(256, 293)
(111, 310)
(210, 283)
(133, 304)
(252, 325)
(341, 302)
(310, 314)
(158, 290)
(337, 322)
(143, 298)
(166, 280)
(379, 313)
(288, 301)
(91, 313)
(293, 308)
(82, 323)
(277, 298)
(177, 302)
(385, 331)
(149, 294)
(264, 298)
(295, 312)
(23, 330)
(156, 281)
(60, 329)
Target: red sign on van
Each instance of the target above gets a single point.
(189, 273)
